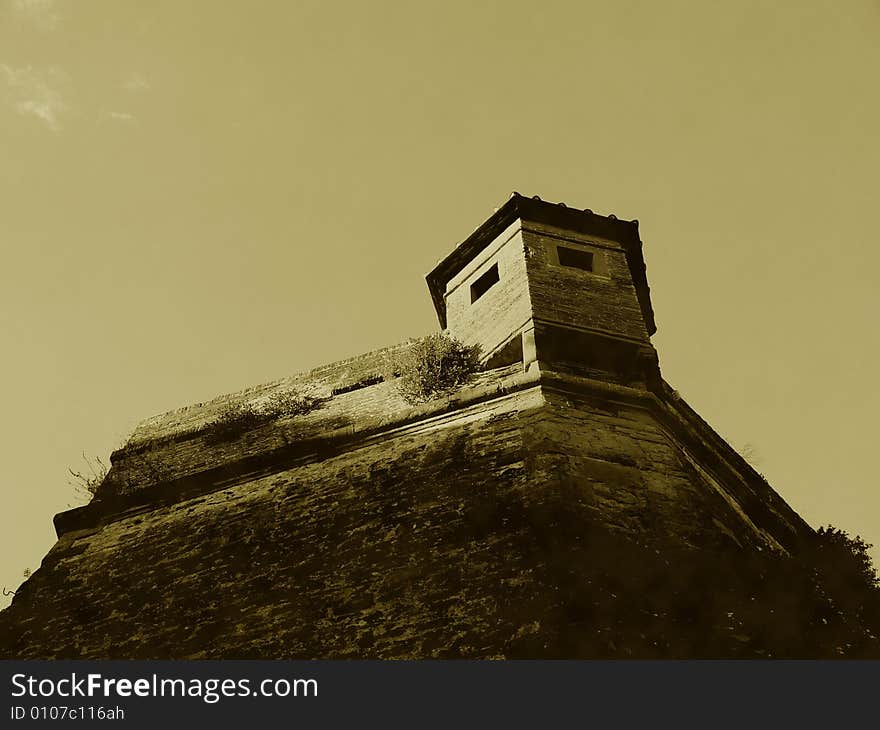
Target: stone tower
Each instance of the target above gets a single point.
(543, 282)
(548, 508)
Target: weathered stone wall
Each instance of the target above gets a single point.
(464, 530)
(635, 478)
(319, 381)
(178, 451)
(605, 300)
(406, 547)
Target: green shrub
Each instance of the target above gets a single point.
(435, 365)
(238, 418)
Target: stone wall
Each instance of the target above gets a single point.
(387, 550)
(460, 530)
(635, 478)
(605, 300)
(504, 309)
(319, 381)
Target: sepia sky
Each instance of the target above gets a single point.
(196, 197)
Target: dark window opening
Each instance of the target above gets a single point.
(575, 258)
(484, 283)
(364, 382)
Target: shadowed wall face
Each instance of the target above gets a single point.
(600, 299)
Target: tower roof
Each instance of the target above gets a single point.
(557, 214)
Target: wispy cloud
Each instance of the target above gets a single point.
(122, 117)
(42, 13)
(36, 93)
(136, 83)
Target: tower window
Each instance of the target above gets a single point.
(487, 280)
(575, 258)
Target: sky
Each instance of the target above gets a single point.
(197, 197)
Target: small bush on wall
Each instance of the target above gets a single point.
(87, 482)
(238, 418)
(435, 365)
